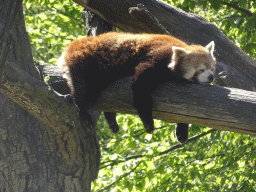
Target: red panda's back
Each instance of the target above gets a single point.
(117, 52)
(113, 47)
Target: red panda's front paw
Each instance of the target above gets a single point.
(149, 129)
(69, 99)
(148, 125)
(114, 128)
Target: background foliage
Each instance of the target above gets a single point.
(52, 25)
(235, 18)
(135, 161)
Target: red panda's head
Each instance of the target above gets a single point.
(195, 63)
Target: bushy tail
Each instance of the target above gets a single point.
(61, 63)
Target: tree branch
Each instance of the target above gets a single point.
(188, 141)
(188, 27)
(145, 18)
(248, 13)
(121, 177)
(213, 106)
(5, 44)
(177, 146)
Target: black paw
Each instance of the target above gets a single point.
(181, 132)
(111, 119)
(149, 129)
(85, 119)
(148, 125)
(114, 128)
(69, 99)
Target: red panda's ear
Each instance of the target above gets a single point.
(178, 52)
(210, 48)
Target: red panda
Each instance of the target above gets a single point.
(91, 63)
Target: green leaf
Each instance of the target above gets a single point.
(148, 137)
(252, 22)
(215, 4)
(150, 174)
(132, 144)
(161, 169)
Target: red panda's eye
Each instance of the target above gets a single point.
(202, 70)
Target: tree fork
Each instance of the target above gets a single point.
(213, 106)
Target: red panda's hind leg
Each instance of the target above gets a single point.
(181, 132)
(85, 94)
(111, 119)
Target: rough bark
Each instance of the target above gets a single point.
(45, 149)
(53, 155)
(131, 16)
(26, 163)
(214, 106)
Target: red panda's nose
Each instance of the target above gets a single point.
(211, 77)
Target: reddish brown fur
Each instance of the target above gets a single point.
(116, 48)
(93, 62)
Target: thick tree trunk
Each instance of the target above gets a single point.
(47, 156)
(58, 154)
(25, 165)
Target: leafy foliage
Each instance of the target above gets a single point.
(236, 19)
(51, 27)
(133, 160)
(211, 160)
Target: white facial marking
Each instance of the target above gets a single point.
(170, 65)
(201, 67)
(204, 77)
(189, 73)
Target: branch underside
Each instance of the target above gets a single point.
(213, 106)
